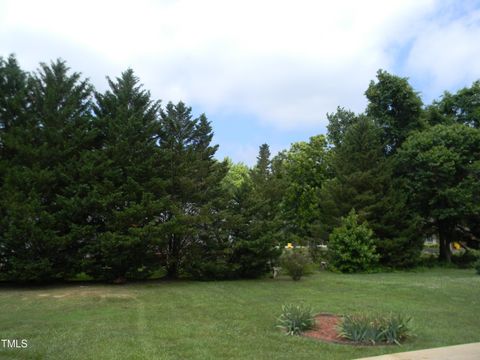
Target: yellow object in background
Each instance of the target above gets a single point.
(289, 246)
(457, 246)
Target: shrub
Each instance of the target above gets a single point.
(351, 246)
(396, 328)
(428, 260)
(466, 259)
(296, 319)
(477, 266)
(296, 263)
(391, 329)
(318, 254)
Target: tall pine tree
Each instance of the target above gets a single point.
(255, 231)
(15, 145)
(363, 181)
(39, 230)
(192, 184)
(125, 188)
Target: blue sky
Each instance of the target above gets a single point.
(262, 71)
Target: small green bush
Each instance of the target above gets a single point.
(351, 246)
(477, 266)
(466, 259)
(391, 329)
(428, 260)
(296, 263)
(296, 319)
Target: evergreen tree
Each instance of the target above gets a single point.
(13, 112)
(244, 243)
(351, 247)
(39, 231)
(15, 140)
(262, 170)
(13, 106)
(193, 187)
(255, 231)
(125, 187)
(360, 174)
(363, 181)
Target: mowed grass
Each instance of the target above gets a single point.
(231, 320)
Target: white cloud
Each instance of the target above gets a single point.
(285, 62)
(445, 54)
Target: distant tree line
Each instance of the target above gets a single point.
(118, 186)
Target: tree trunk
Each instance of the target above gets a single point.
(172, 258)
(444, 237)
(172, 270)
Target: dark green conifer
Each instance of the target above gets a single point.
(126, 188)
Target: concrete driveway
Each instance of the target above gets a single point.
(457, 352)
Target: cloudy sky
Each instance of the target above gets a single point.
(262, 71)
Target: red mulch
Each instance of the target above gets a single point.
(326, 329)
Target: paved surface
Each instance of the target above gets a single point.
(457, 352)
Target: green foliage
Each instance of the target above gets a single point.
(351, 246)
(251, 220)
(477, 266)
(428, 260)
(296, 319)
(360, 175)
(396, 108)
(243, 242)
(466, 259)
(440, 167)
(124, 190)
(303, 171)
(390, 329)
(363, 181)
(193, 190)
(262, 170)
(118, 187)
(399, 239)
(44, 137)
(338, 124)
(462, 107)
(319, 255)
(296, 262)
(236, 176)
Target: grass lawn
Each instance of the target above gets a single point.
(231, 320)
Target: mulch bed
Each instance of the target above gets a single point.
(326, 329)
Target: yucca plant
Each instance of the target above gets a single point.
(396, 328)
(354, 328)
(371, 329)
(296, 319)
(374, 333)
